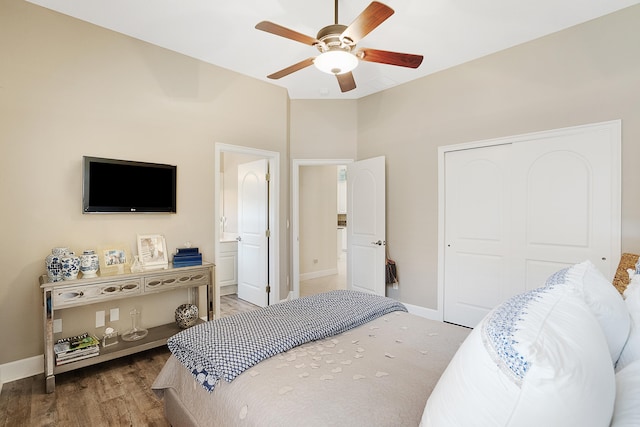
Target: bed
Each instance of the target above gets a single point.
(378, 373)
(566, 353)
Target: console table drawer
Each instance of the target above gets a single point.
(87, 294)
(175, 280)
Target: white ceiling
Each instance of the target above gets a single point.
(445, 32)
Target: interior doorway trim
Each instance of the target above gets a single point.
(273, 159)
(295, 213)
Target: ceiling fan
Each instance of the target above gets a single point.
(337, 43)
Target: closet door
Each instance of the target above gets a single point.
(563, 209)
(477, 242)
(519, 211)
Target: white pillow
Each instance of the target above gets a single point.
(631, 350)
(626, 411)
(539, 359)
(605, 302)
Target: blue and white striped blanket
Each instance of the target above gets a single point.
(226, 347)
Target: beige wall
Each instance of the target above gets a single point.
(586, 74)
(68, 89)
(323, 129)
(318, 219)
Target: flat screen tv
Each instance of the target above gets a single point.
(112, 186)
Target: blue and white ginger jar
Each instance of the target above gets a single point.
(70, 266)
(53, 262)
(89, 264)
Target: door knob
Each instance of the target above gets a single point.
(379, 243)
(239, 239)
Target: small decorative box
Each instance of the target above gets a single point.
(110, 337)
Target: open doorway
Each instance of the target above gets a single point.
(228, 260)
(318, 226)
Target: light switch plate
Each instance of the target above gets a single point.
(57, 326)
(114, 314)
(99, 319)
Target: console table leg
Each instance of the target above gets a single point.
(50, 383)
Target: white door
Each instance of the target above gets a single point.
(477, 252)
(566, 212)
(366, 225)
(252, 232)
(516, 213)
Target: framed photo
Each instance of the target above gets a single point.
(114, 259)
(152, 250)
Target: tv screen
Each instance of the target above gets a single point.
(110, 185)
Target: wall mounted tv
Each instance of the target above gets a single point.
(112, 186)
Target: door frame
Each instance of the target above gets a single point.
(295, 214)
(613, 126)
(273, 158)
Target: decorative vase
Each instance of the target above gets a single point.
(186, 315)
(136, 332)
(70, 266)
(89, 264)
(54, 264)
(136, 266)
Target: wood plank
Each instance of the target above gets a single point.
(18, 404)
(113, 393)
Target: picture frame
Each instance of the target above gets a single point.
(152, 251)
(114, 259)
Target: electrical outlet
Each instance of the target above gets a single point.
(114, 314)
(315, 260)
(99, 319)
(57, 326)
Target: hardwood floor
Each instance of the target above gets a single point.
(326, 283)
(117, 393)
(231, 304)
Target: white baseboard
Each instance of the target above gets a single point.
(427, 313)
(19, 369)
(317, 274)
(228, 290)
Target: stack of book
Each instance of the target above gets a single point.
(185, 257)
(76, 348)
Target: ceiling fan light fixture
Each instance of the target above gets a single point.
(336, 62)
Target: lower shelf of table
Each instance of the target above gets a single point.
(156, 337)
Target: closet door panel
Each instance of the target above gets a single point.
(477, 205)
(563, 212)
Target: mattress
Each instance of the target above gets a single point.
(377, 374)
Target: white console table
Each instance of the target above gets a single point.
(85, 291)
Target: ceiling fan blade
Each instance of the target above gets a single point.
(375, 14)
(292, 68)
(346, 81)
(281, 31)
(391, 58)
